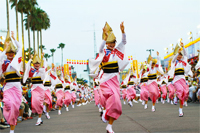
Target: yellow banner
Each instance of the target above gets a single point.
(135, 66)
(66, 69)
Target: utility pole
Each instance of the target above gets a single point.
(150, 50)
(95, 46)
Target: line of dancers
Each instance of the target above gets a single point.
(152, 80)
(45, 82)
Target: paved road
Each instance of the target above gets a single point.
(85, 119)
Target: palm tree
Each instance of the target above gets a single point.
(47, 56)
(8, 23)
(44, 25)
(22, 8)
(52, 53)
(39, 23)
(14, 4)
(61, 45)
(34, 20)
(43, 47)
(30, 5)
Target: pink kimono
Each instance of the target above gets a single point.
(12, 92)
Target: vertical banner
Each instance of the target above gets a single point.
(66, 69)
(135, 65)
(70, 72)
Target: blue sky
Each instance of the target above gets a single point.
(148, 24)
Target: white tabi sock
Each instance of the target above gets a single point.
(11, 131)
(39, 119)
(109, 127)
(104, 111)
(180, 110)
(153, 107)
(47, 113)
(44, 108)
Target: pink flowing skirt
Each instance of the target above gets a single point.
(60, 96)
(164, 91)
(153, 91)
(92, 97)
(171, 91)
(73, 96)
(68, 98)
(182, 90)
(48, 98)
(37, 99)
(131, 93)
(102, 100)
(12, 99)
(96, 97)
(124, 93)
(144, 94)
(111, 92)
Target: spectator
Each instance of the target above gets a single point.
(192, 91)
(3, 123)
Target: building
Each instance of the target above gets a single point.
(192, 54)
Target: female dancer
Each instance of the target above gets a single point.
(68, 98)
(155, 66)
(48, 97)
(37, 75)
(12, 94)
(180, 67)
(113, 61)
(144, 94)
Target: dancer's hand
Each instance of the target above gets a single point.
(198, 50)
(12, 35)
(43, 55)
(31, 56)
(53, 66)
(122, 27)
(179, 50)
(7, 45)
(181, 44)
(105, 33)
(157, 53)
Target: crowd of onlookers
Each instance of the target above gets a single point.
(194, 87)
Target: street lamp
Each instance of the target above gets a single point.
(150, 50)
(190, 35)
(190, 38)
(166, 50)
(180, 39)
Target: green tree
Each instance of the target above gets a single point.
(30, 5)
(8, 23)
(14, 4)
(34, 22)
(61, 46)
(52, 54)
(22, 4)
(45, 24)
(40, 22)
(47, 56)
(43, 47)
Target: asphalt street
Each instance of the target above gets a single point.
(85, 119)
